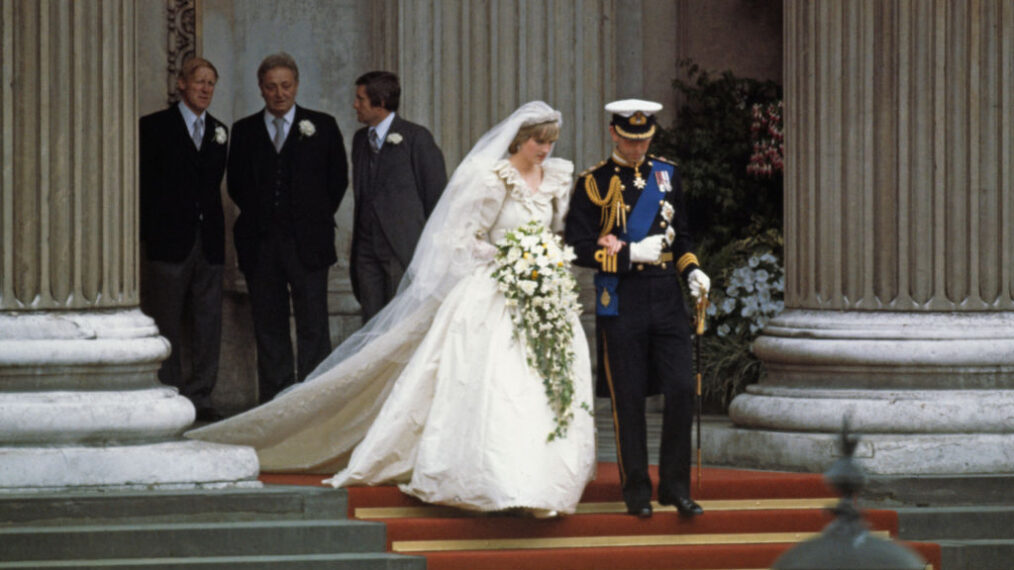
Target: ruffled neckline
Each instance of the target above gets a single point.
(555, 179)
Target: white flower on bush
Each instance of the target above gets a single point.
(752, 297)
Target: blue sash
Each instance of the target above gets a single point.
(642, 217)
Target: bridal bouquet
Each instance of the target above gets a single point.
(532, 269)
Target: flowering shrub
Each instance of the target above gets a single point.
(727, 140)
(753, 294)
(768, 140)
(746, 293)
(533, 272)
(714, 139)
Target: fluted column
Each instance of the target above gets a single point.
(464, 66)
(80, 405)
(899, 240)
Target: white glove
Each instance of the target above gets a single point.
(648, 250)
(699, 284)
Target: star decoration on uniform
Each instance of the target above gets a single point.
(640, 183)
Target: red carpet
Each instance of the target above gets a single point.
(750, 518)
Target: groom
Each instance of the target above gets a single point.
(397, 177)
(627, 219)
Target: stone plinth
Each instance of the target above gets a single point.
(80, 407)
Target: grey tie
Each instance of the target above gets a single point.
(279, 133)
(198, 133)
(374, 141)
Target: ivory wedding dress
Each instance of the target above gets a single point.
(441, 400)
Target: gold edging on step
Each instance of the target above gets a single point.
(599, 508)
(605, 541)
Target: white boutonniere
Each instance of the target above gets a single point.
(395, 138)
(306, 128)
(220, 135)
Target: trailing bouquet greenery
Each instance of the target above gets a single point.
(533, 272)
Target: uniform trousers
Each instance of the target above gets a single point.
(277, 274)
(173, 293)
(646, 350)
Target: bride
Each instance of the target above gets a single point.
(436, 393)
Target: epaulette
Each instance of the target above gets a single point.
(591, 169)
(665, 160)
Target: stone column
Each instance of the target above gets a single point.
(80, 405)
(899, 242)
(464, 66)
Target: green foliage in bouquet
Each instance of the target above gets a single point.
(727, 140)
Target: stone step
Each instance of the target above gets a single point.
(366, 561)
(976, 554)
(956, 523)
(274, 502)
(170, 540)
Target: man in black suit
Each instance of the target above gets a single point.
(397, 178)
(183, 156)
(287, 174)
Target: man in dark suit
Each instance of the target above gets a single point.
(183, 156)
(287, 174)
(627, 219)
(398, 176)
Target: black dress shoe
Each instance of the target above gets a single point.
(685, 505)
(642, 512)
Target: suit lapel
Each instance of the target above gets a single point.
(361, 155)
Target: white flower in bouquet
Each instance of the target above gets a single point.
(528, 286)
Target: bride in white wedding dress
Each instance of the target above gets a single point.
(435, 393)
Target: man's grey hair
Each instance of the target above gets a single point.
(280, 59)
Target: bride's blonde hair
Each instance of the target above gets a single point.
(541, 132)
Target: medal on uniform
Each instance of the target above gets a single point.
(662, 177)
(667, 211)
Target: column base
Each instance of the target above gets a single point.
(81, 407)
(165, 465)
(879, 454)
(930, 393)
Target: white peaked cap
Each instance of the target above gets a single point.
(627, 107)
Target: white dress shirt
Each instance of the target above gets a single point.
(189, 117)
(382, 129)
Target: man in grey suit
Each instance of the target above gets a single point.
(397, 177)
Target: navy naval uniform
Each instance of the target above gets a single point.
(642, 324)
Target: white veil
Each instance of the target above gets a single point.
(444, 254)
